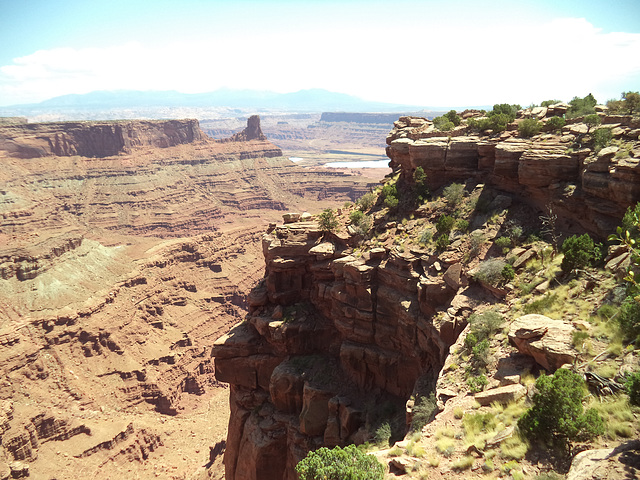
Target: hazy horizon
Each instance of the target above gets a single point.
(422, 53)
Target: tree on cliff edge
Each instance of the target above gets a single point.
(327, 221)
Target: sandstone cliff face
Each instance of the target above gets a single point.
(592, 190)
(95, 139)
(328, 333)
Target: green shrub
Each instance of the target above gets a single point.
(485, 325)
(443, 241)
(327, 221)
(366, 201)
(592, 121)
(383, 434)
(555, 123)
(508, 273)
(490, 271)
(514, 232)
(633, 388)
(363, 224)
(578, 252)
(462, 225)
(470, 341)
(477, 383)
(476, 240)
(356, 217)
(443, 124)
(453, 117)
(346, 463)
(498, 123)
(529, 127)
(390, 190)
(453, 194)
(421, 191)
(601, 138)
(629, 318)
(444, 224)
(548, 103)
(480, 353)
(557, 417)
(503, 242)
(391, 202)
(426, 236)
(505, 109)
(629, 104)
(631, 221)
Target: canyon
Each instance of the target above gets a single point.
(126, 249)
(345, 331)
(159, 319)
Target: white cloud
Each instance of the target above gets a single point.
(403, 63)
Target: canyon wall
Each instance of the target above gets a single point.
(117, 273)
(330, 334)
(95, 139)
(590, 190)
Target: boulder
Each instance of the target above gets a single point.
(618, 462)
(323, 250)
(548, 341)
(452, 276)
(291, 217)
(524, 258)
(502, 395)
(286, 387)
(403, 464)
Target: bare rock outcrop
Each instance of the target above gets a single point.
(548, 341)
(252, 132)
(328, 333)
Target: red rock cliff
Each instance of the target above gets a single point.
(587, 188)
(328, 335)
(95, 139)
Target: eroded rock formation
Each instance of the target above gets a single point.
(95, 139)
(117, 273)
(591, 190)
(328, 333)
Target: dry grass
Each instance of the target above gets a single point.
(463, 463)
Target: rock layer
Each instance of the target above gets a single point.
(328, 334)
(592, 190)
(116, 275)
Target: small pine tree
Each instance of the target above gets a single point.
(557, 417)
(328, 221)
(592, 121)
(578, 252)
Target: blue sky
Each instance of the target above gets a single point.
(428, 53)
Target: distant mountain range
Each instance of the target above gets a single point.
(312, 100)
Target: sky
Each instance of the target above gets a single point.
(444, 53)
